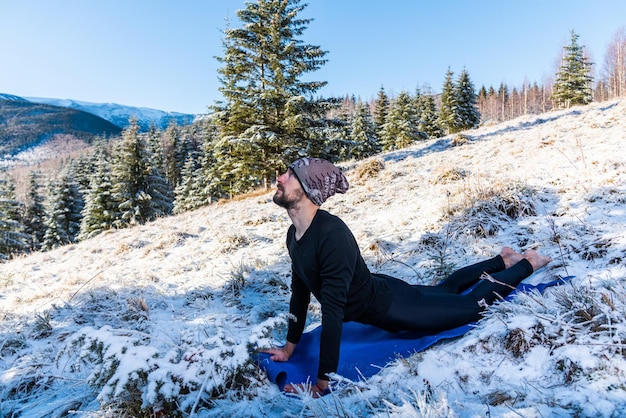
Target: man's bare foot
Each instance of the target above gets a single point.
(536, 260)
(510, 257)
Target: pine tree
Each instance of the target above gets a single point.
(101, 209)
(573, 85)
(336, 139)
(363, 133)
(156, 149)
(381, 110)
(190, 154)
(467, 115)
(170, 143)
(429, 118)
(13, 239)
(141, 192)
(56, 233)
(160, 190)
(268, 110)
(35, 212)
(401, 128)
(447, 110)
(177, 145)
(338, 143)
(82, 170)
(185, 194)
(203, 186)
(418, 102)
(64, 213)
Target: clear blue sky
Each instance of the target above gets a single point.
(160, 54)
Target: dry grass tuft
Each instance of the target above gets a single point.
(450, 175)
(516, 343)
(460, 139)
(484, 210)
(234, 242)
(369, 169)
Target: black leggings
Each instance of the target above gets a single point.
(436, 308)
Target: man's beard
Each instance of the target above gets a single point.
(288, 202)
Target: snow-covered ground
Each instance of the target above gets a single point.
(165, 314)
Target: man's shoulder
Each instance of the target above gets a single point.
(327, 222)
(327, 218)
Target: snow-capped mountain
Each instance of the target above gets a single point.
(120, 114)
(4, 96)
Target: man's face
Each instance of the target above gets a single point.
(289, 192)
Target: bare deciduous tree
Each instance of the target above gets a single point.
(615, 66)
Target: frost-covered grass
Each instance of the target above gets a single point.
(160, 320)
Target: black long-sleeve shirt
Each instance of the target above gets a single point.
(327, 262)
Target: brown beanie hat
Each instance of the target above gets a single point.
(319, 178)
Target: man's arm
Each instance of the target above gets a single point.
(338, 255)
(298, 307)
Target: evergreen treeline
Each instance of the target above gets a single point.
(268, 117)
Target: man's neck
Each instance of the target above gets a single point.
(302, 217)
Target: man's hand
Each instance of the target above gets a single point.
(278, 354)
(281, 354)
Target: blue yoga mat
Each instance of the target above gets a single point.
(365, 349)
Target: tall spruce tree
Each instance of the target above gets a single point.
(176, 145)
(418, 101)
(82, 170)
(186, 196)
(402, 126)
(447, 110)
(467, 114)
(35, 212)
(101, 209)
(13, 239)
(573, 85)
(363, 133)
(381, 110)
(267, 109)
(337, 142)
(170, 146)
(141, 192)
(64, 213)
(429, 118)
(156, 148)
(205, 184)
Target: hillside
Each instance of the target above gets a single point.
(24, 124)
(163, 315)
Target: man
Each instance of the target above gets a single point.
(327, 262)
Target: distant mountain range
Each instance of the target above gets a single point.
(24, 124)
(120, 114)
(28, 122)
